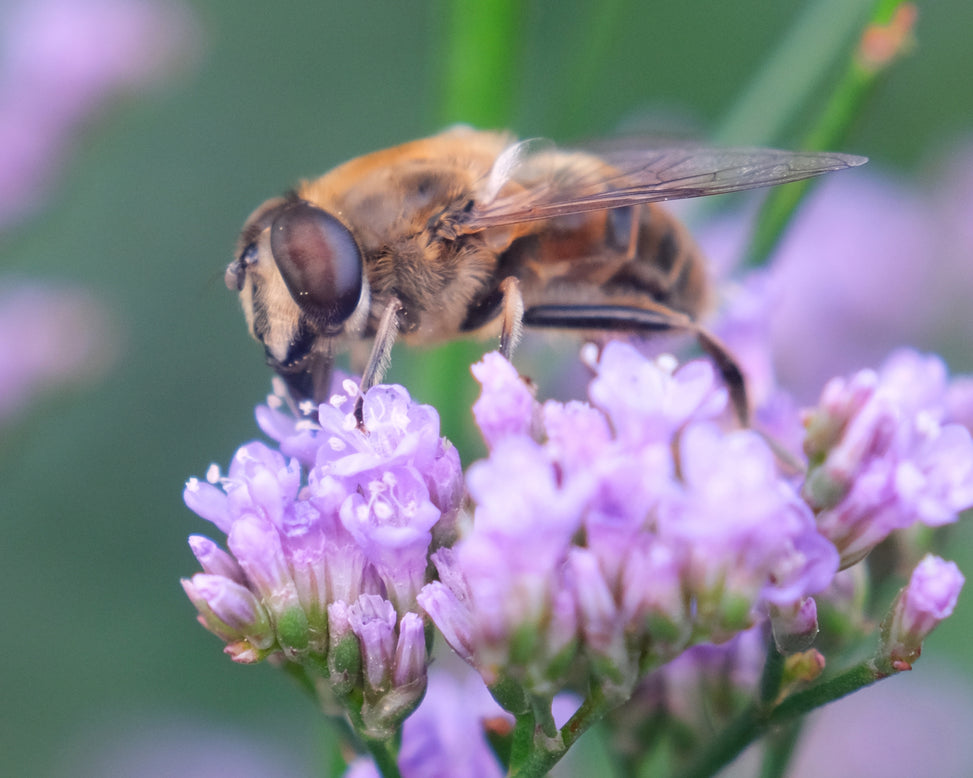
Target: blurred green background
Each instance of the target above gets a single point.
(101, 649)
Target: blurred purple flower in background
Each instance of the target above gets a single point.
(51, 336)
(61, 61)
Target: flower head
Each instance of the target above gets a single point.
(329, 537)
(929, 597)
(610, 533)
(884, 455)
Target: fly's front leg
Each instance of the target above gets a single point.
(512, 323)
(380, 356)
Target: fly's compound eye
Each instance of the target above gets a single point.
(320, 262)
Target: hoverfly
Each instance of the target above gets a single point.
(470, 232)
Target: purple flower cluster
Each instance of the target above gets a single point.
(329, 538)
(639, 532)
(619, 533)
(884, 454)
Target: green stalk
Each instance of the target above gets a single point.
(481, 62)
(545, 752)
(479, 66)
(860, 75)
(817, 42)
(779, 748)
(757, 721)
(772, 675)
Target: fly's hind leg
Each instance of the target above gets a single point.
(658, 318)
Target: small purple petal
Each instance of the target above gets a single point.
(452, 617)
(229, 609)
(209, 503)
(410, 652)
(256, 545)
(599, 615)
(930, 597)
(506, 405)
(646, 402)
(215, 560)
(372, 619)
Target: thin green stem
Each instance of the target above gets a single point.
(756, 721)
(522, 742)
(591, 43)
(481, 61)
(779, 748)
(861, 73)
(772, 675)
(546, 752)
(814, 46)
(479, 65)
(384, 753)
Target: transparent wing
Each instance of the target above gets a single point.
(556, 183)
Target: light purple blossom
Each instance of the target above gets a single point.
(883, 455)
(329, 539)
(516, 414)
(373, 620)
(929, 597)
(230, 610)
(595, 526)
(60, 62)
(741, 529)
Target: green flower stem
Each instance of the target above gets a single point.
(522, 742)
(779, 748)
(481, 61)
(479, 66)
(593, 38)
(861, 74)
(384, 751)
(545, 752)
(816, 43)
(757, 720)
(772, 675)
